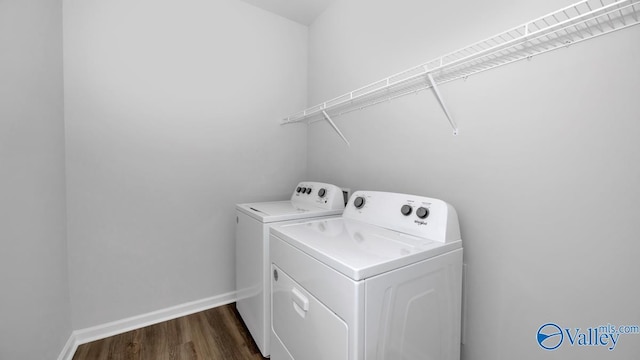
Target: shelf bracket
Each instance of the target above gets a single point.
(441, 101)
(333, 125)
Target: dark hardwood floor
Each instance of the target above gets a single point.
(213, 334)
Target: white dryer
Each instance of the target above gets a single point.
(309, 200)
(383, 281)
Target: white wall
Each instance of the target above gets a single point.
(172, 111)
(35, 318)
(544, 173)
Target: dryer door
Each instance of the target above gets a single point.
(305, 327)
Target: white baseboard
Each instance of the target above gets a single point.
(69, 349)
(83, 336)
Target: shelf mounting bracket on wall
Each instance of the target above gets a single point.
(441, 101)
(333, 125)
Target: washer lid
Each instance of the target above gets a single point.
(357, 249)
(283, 210)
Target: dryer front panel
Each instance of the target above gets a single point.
(305, 327)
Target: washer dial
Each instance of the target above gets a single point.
(422, 212)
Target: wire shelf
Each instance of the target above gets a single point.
(581, 21)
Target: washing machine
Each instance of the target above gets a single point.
(383, 281)
(309, 200)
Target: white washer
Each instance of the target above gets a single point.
(309, 200)
(383, 281)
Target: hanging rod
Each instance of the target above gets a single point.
(575, 23)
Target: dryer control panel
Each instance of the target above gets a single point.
(325, 196)
(410, 214)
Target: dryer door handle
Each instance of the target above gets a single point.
(300, 302)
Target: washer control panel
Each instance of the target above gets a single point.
(326, 196)
(410, 214)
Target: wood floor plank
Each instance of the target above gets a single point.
(222, 340)
(178, 332)
(231, 341)
(118, 349)
(186, 351)
(99, 349)
(81, 352)
(154, 345)
(215, 334)
(205, 337)
(131, 351)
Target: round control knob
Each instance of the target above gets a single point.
(358, 202)
(322, 192)
(298, 189)
(406, 210)
(422, 212)
(303, 190)
(308, 190)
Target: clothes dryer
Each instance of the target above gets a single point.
(309, 200)
(383, 281)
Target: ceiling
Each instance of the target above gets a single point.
(301, 11)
